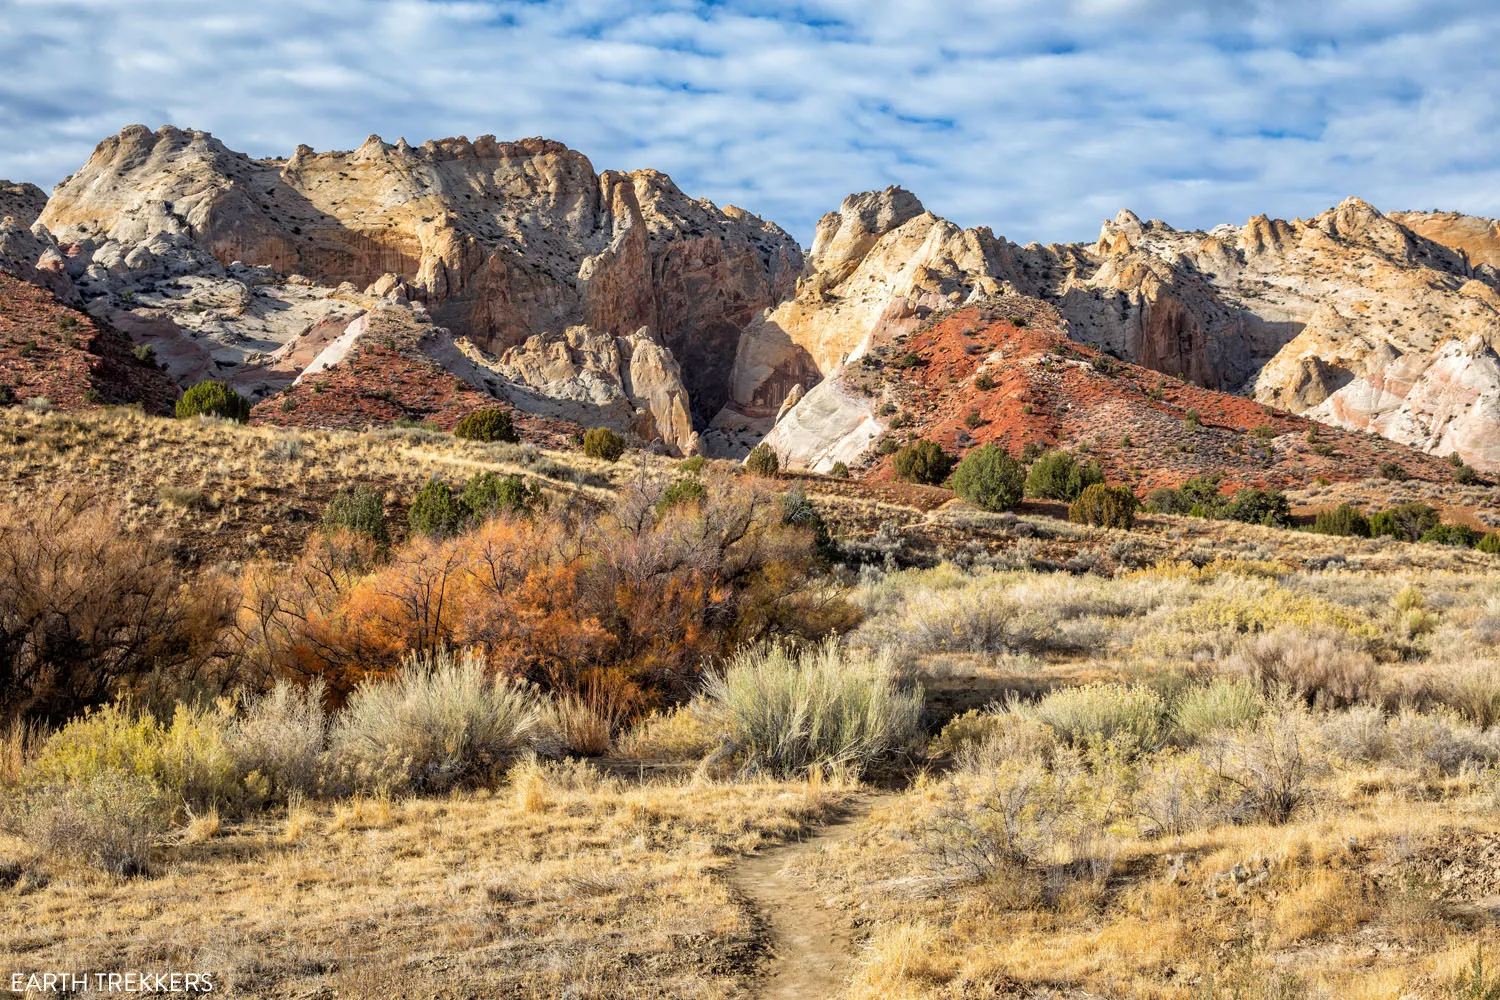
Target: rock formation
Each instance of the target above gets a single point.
(247, 270)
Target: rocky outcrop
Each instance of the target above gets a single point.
(22, 202)
(1477, 239)
(1339, 317)
(501, 241)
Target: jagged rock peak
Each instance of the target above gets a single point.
(843, 237)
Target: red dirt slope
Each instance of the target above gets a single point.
(50, 351)
(1005, 372)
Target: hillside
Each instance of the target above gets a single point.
(51, 352)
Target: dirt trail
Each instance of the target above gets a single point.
(811, 945)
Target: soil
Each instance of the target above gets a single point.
(811, 943)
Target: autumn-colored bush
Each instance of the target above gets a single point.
(629, 604)
(88, 609)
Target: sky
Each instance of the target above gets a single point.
(1038, 118)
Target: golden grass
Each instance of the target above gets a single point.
(612, 890)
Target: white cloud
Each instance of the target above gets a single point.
(1035, 117)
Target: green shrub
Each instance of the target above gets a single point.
(1490, 543)
(490, 424)
(1132, 715)
(487, 495)
(989, 478)
(603, 443)
(694, 465)
(435, 511)
(923, 462)
(1056, 475)
(360, 510)
(1255, 506)
(683, 492)
(762, 460)
(839, 471)
(213, 399)
(1226, 703)
(1451, 534)
(443, 722)
(7, 396)
(145, 353)
(1201, 492)
(1345, 520)
(1466, 475)
(1102, 506)
(191, 759)
(1393, 471)
(1407, 522)
(785, 711)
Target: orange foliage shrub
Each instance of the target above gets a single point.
(627, 606)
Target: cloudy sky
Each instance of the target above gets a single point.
(1035, 117)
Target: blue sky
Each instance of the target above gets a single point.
(1038, 118)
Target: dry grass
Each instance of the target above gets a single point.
(606, 890)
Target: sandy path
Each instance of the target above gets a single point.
(811, 945)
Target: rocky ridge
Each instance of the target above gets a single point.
(246, 269)
(1350, 318)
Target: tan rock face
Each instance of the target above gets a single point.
(1478, 239)
(501, 240)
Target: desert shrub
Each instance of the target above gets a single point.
(686, 491)
(785, 711)
(1451, 534)
(967, 731)
(1255, 506)
(1177, 792)
(1344, 520)
(443, 722)
(840, 470)
(213, 399)
(7, 395)
(1226, 703)
(1473, 691)
(1407, 522)
(489, 425)
(435, 511)
(923, 462)
(1269, 766)
(1319, 666)
(581, 724)
(1132, 715)
(989, 478)
(603, 443)
(1490, 543)
(682, 734)
(1357, 735)
(361, 510)
(108, 820)
(191, 758)
(1466, 475)
(969, 620)
(280, 737)
(693, 465)
(487, 495)
(1439, 742)
(1393, 471)
(1200, 493)
(1010, 817)
(762, 460)
(1057, 475)
(86, 607)
(1101, 506)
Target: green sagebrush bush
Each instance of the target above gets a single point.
(989, 478)
(444, 721)
(489, 424)
(213, 399)
(1101, 506)
(784, 710)
(1345, 520)
(923, 462)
